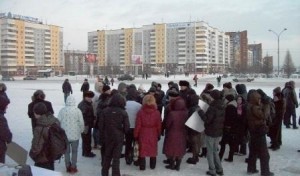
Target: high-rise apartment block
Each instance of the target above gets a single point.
(239, 50)
(166, 47)
(28, 45)
(257, 55)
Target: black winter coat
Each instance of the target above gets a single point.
(85, 87)
(113, 122)
(214, 118)
(67, 88)
(5, 136)
(31, 113)
(87, 112)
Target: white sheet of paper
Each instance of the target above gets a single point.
(195, 122)
(204, 106)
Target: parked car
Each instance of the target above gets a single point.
(125, 77)
(243, 79)
(29, 77)
(8, 78)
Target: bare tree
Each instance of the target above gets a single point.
(288, 65)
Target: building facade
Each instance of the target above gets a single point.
(27, 45)
(257, 59)
(166, 47)
(238, 50)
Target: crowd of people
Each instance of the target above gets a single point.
(138, 119)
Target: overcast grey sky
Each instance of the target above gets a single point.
(78, 17)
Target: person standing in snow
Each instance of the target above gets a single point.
(85, 86)
(257, 123)
(86, 108)
(147, 131)
(67, 89)
(38, 152)
(114, 124)
(5, 133)
(71, 121)
(38, 96)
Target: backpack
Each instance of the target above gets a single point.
(57, 142)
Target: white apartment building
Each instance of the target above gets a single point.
(28, 45)
(186, 46)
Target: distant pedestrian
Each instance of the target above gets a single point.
(85, 86)
(71, 121)
(195, 80)
(67, 89)
(219, 80)
(106, 81)
(112, 81)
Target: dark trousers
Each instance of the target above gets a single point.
(2, 156)
(275, 134)
(48, 165)
(86, 142)
(112, 154)
(290, 112)
(227, 139)
(129, 139)
(258, 149)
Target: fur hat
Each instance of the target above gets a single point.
(227, 85)
(88, 94)
(184, 83)
(209, 86)
(105, 88)
(149, 100)
(173, 93)
(215, 94)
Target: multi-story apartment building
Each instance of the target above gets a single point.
(238, 50)
(188, 46)
(28, 45)
(257, 54)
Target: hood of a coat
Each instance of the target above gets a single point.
(70, 101)
(117, 100)
(46, 120)
(241, 88)
(122, 86)
(254, 98)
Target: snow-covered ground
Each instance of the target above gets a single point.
(284, 162)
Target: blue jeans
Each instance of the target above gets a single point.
(71, 148)
(213, 158)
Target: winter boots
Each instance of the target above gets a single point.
(152, 162)
(174, 165)
(193, 160)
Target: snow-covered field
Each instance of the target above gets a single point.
(284, 162)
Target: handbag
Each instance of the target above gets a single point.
(135, 151)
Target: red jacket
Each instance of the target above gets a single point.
(147, 130)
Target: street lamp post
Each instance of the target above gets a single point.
(278, 40)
